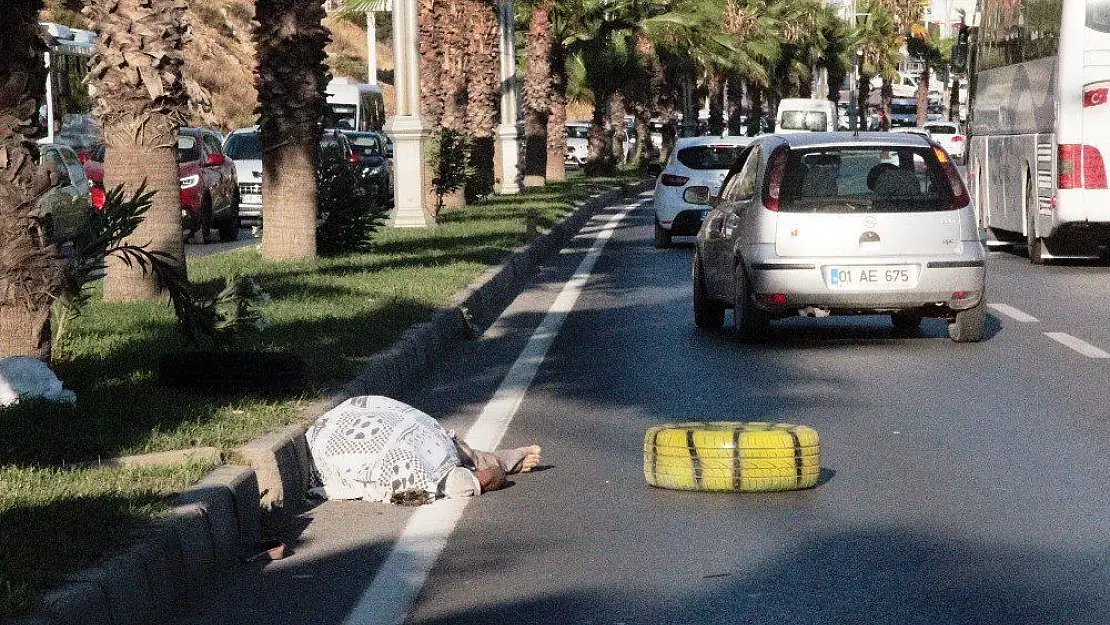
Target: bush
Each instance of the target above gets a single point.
(449, 162)
(349, 213)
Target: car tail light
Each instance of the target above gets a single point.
(671, 180)
(960, 196)
(696, 195)
(353, 159)
(83, 157)
(957, 138)
(773, 299)
(1080, 167)
(773, 187)
(97, 197)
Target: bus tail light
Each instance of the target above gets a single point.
(671, 180)
(960, 196)
(1080, 167)
(957, 138)
(773, 188)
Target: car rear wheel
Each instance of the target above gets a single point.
(708, 313)
(749, 322)
(904, 323)
(662, 237)
(969, 324)
(204, 221)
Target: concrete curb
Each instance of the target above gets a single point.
(221, 519)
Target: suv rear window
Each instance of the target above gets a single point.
(804, 120)
(188, 149)
(875, 179)
(709, 156)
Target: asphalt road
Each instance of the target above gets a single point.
(961, 483)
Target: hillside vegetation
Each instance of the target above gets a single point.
(220, 55)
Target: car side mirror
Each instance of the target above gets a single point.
(214, 160)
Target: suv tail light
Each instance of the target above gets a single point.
(776, 169)
(671, 180)
(1080, 166)
(960, 196)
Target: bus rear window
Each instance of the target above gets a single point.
(879, 179)
(804, 120)
(1098, 15)
(709, 156)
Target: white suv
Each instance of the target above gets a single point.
(693, 174)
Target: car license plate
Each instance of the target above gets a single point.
(251, 198)
(871, 277)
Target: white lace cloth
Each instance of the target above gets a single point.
(371, 447)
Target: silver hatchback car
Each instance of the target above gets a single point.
(837, 223)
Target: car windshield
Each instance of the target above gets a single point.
(188, 149)
(709, 156)
(366, 145)
(864, 179)
(331, 149)
(804, 120)
(244, 146)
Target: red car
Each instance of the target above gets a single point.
(209, 191)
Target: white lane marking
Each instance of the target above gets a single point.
(390, 596)
(1013, 313)
(1079, 345)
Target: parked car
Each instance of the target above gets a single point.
(950, 137)
(693, 174)
(209, 194)
(833, 223)
(209, 197)
(376, 168)
(244, 147)
(914, 130)
(578, 143)
(92, 160)
(66, 205)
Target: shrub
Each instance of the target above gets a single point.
(349, 212)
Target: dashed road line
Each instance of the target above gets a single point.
(398, 582)
(1079, 345)
(1013, 313)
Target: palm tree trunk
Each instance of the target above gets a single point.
(716, 103)
(142, 99)
(755, 112)
(557, 119)
(483, 96)
(452, 31)
(886, 96)
(619, 125)
(291, 77)
(30, 267)
(922, 97)
(536, 94)
(862, 98)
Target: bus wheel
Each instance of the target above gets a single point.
(1033, 243)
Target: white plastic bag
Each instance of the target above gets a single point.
(23, 378)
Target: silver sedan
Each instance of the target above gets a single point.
(836, 223)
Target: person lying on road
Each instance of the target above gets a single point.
(379, 449)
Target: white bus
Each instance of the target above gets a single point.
(1039, 124)
(67, 111)
(355, 106)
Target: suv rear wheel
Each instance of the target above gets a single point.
(229, 226)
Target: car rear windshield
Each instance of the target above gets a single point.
(879, 179)
(244, 146)
(709, 156)
(188, 149)
(366, 145)
(804, 120)
(941, 129)
(1098, 15)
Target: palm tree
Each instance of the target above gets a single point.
(30, 267)
(291, 79)
(878, 42)
(483, 93)
(536, 92)
(141, 100)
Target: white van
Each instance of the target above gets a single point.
(355, 106)
(805, 115)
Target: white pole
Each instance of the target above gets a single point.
(506, 131)
(371, 48)
(406, 129)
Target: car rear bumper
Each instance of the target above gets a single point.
(942, 287)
